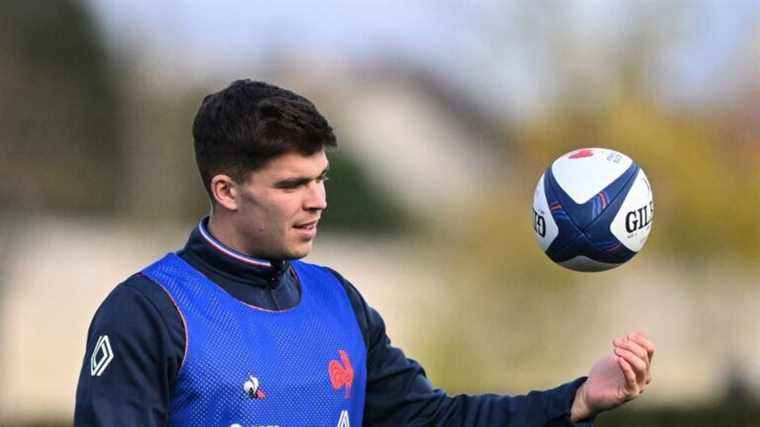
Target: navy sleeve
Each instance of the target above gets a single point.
(134, 346)
(399, 393)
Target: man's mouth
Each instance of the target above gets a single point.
(307, 225)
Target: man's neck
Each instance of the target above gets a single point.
(223, 231)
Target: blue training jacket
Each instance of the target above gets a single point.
(132, 365)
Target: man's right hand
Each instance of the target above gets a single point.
(616, 378)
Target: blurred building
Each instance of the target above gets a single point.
(428, 144)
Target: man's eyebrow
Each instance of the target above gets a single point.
(292, 182)
(299, 180)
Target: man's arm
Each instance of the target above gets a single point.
(399, 393)
(134, 347)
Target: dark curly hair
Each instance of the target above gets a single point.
(240, 128)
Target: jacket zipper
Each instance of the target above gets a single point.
(272, 283)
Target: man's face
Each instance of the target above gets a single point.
(280, 205)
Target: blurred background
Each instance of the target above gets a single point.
(447, 113)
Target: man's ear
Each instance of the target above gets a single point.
(225, 191)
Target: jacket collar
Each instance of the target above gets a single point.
(225, 260)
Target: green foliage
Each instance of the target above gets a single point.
(59, 110)
(355, 203)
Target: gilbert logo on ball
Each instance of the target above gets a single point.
(592, 209)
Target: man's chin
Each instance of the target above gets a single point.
(300, 252)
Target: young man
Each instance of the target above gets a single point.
(232, 330)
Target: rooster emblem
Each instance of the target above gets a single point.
(253, 388)
(341, 373)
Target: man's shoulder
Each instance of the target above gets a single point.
(133, 298)
(142, 285)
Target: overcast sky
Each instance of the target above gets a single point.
(487, 44)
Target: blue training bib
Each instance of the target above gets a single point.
(249, 367)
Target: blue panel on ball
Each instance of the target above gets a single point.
(614, 252)
(567, 229)
(571, 249)
(607, 248)
(583, 214)
(584, 229)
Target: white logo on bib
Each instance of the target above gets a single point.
(343, 421)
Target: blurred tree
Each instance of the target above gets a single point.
(357, 204)
(59, 113)
(162, 182)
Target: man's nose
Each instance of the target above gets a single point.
(316, 199)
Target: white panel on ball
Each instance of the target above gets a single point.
(607, 165)
(544, 227)
(633, 221)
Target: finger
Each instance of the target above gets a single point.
(636, 349)
(641, 339)
(630, 377)
(639, 366)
